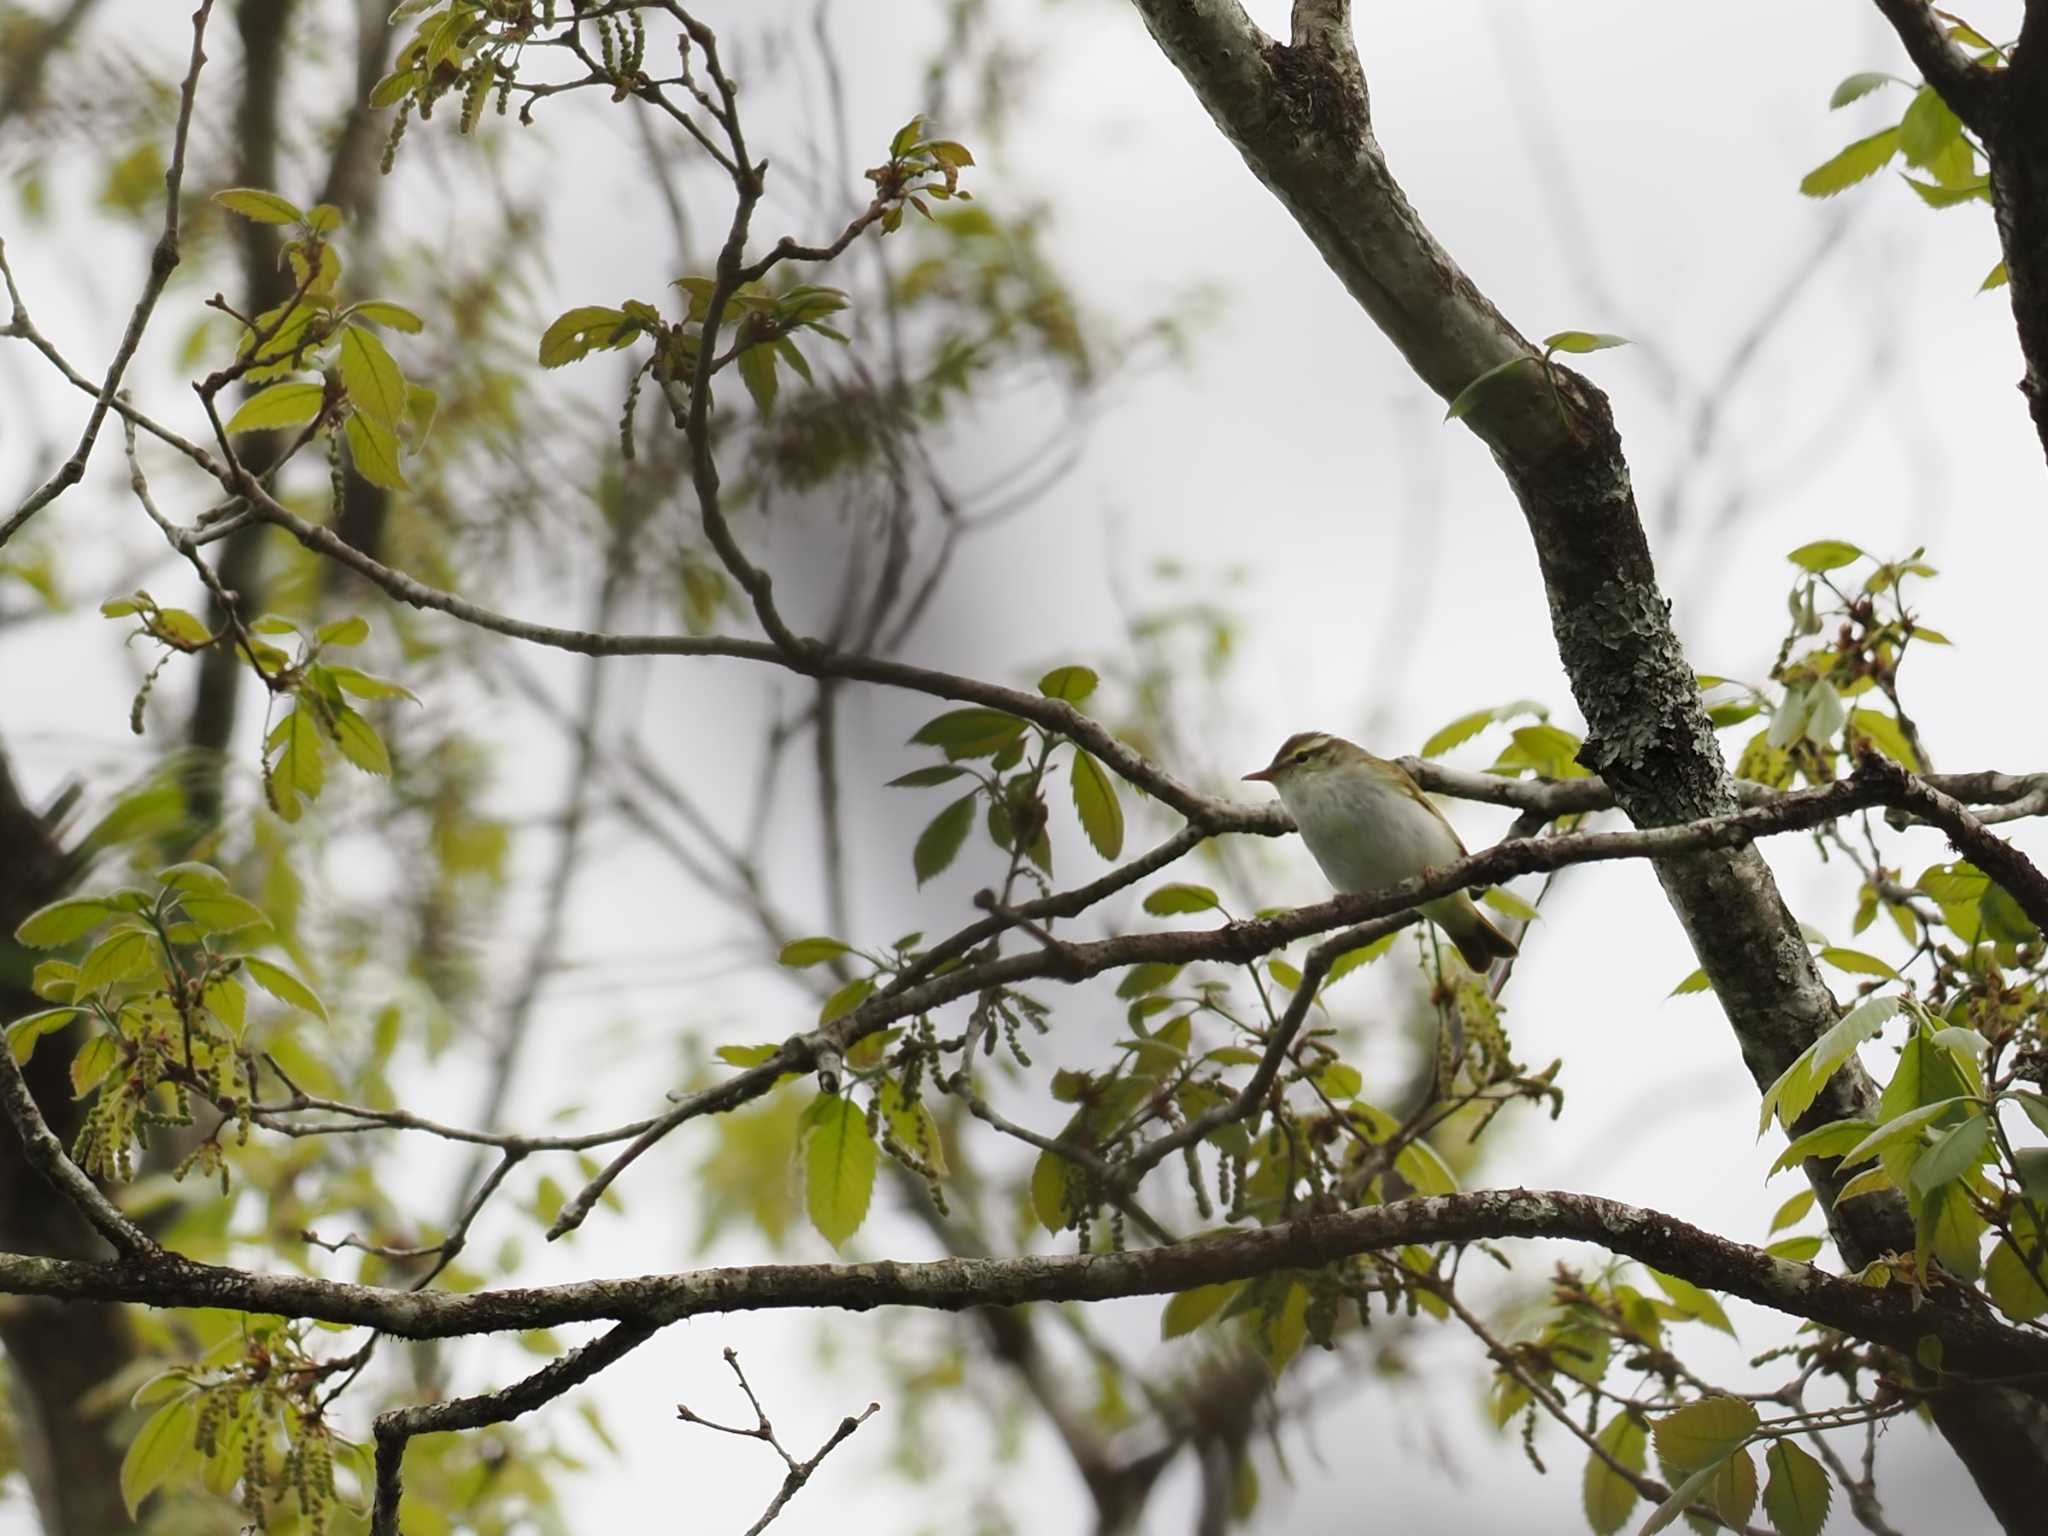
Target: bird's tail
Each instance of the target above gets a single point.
(1479, 942)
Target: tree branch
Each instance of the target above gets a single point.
(1973, 1340)
(1973, 94)
(162, 262)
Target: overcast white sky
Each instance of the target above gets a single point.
(1389, 585)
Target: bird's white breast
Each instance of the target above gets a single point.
(1366, 832)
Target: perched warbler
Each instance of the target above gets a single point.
(1369, 826)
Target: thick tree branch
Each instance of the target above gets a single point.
(1974, 1341)
(1972, 93)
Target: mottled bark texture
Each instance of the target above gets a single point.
(1299, 113)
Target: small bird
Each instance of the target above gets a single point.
(1369, 826)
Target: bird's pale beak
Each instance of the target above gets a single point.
(1263, 776)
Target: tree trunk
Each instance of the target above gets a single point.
(1299, 113)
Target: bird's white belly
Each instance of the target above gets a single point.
(1364, 836)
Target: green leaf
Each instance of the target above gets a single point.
(1851, 1030)
(839, 1167)
(297, 770)
(280, 405)
(163, 1442)
(924, 778)
(192, 876)
(1693, 1302)
(1073, 684)
(1583, 341)
(1800, 1250)
(578, 332)
(1170, 900)
(1997, 277)
(1508, 904)
(371, 375)
(1610, 1497)
(745, 1055)
(1704, 1433)
(1468, 397)
(1460, 730)
(1825, 555)
(1095, 800)
(360, 743)
(353, 630)
(1696, 982)
(965, 733)
(1830, 1140)
(1935, 195)
(221, 911)
(23, 1033)
(394, 316)
(2012, 1286)
(1188, 1310)
(1688, 1493)
(63, 922)
(120, 956)
(263, 208)
(798, 954)
(1954, 1152)
(906, 137)
(1897, 1129)
(1860, 85)
(1052, 1178)
(1884, 733)
(910, 1125)
(95, 1059)
(1733, 1491)
(1857, 963)
(1860, 161)
(1793, 1210)
(373, 449)
(757, 372)
(1928, 128)
(941, 839)
(846, 999)
(364, 686)
(1796, 1497)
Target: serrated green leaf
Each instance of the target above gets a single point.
(353, 630)
(1830, 1140)
(1856, 962)
(966, 733)
(1928, 127)
(360, 743)
(289, 404)
(757, 372)
(924, 778)
(1825, 555)
(262, 207)
(1935, 195)
(839, 1167)
(1884, 733)
(2014, 1287)
(221, 911)
(158, 1449)
(1793, 1210)
(1052, 1179)
(364, 686)
(1583, 341)
(1997, 277)
(376, 387)
(24, 1032)
(373, 450)
(1696, 982)
(62, 922)
(1952, 1154)
(940, 841)
(1466, 398)
(1860, 161)
(1859, 85)
(798, 954)
(1460, 730)
(1797, 1495)
(1073, 684)
(1693, 1302)
(578, 332)
(120, 956)
(394, 316)
(1609, 1497)
(1171, 900)
(1188, 1310)
(1704, 1433)
(1095, 801)
(846, 999)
